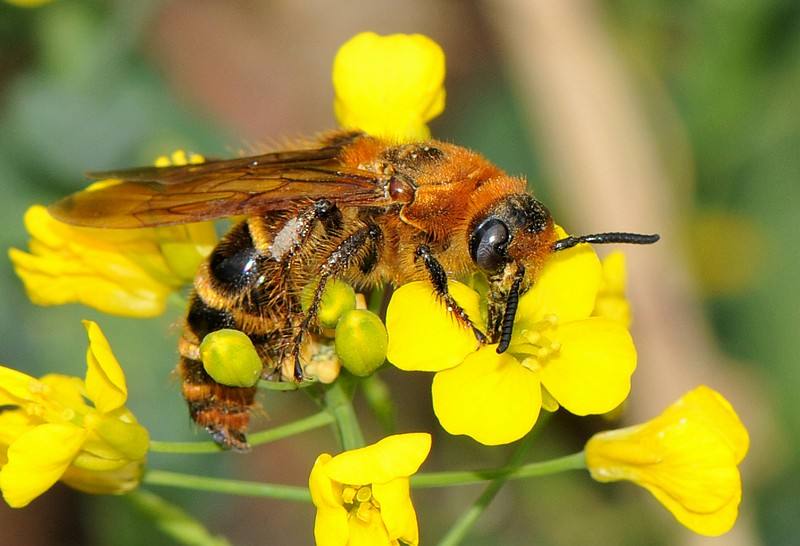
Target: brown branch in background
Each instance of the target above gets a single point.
(606, 172)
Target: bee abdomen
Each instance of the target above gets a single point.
(224, 411)
(233, 264)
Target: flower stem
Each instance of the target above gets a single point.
(265, 436)
(338, 401)
(576, 461)
(434, 479)
(465, 522)
(173, 520)
(231, 487)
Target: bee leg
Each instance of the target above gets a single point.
(361, 245)
(438, 278)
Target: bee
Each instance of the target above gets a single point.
(350, 207)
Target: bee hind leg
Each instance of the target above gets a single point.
(363, 245)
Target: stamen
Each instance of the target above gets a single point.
(364, 494)
(348, 494)
(364, 512)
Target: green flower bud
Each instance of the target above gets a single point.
(230, 359)
(361, 341)
(337, 298)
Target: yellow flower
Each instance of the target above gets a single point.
(559, 354)
(128, 272)
(611, 301)
(389, 86)
(48, 431)
(362, 496)
(687, 458)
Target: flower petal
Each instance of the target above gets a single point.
(591, 372)
(105, 382)
(716, 413)
(566, 287)
(397, 511)
(330, 526)
(371, 533)
(490, 397)
(13, 424)
(37, 460)
(16, 386)
(423, 336)
(611, 301)
(120, 272)
(105, 482)
(686, 457)
(389, 86)
(68, 394)
(396, 456)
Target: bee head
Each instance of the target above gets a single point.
(515, 229)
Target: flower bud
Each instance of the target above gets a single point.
(361, 342)
(337, 298)
(230, 359)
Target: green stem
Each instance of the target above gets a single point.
(576, 461)
(173, 520)
(231, 487)
(265, 436)
(435, 479)
(338, 401)
(465, 522)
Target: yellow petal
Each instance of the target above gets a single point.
(490, 397)
(389, 86)
(37, 460)
(111, 482)
(371, 533)
(686, 457)
(397, 511)
(611, 301)
(395, 456)
(330, 525)
(68, 393)
(13, 424)
(323, 491)
(16, 386)
(116, 271)
(566, 287)
(129, 440)
(186, 246)
(704, 404)
(105, 382)
(423, 336)
(591, 372)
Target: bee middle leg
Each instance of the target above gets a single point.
(438, 278)
(360, 246)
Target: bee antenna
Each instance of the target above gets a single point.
(512, 301)
(605, 238)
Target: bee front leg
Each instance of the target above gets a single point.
(438, 278)
(360, 245)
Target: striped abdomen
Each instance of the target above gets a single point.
(240, 286)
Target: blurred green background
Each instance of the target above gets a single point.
(88, 85)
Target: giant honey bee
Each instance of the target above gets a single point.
(353, 207)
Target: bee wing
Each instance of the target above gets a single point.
(156, 196)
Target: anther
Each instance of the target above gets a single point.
(363, 494)
(348, 494)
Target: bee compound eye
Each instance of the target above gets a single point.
(488, 244)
